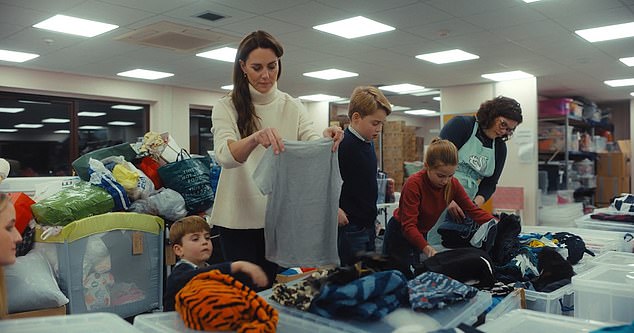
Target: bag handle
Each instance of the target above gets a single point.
(183, 155)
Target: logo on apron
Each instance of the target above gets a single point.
(478, 162)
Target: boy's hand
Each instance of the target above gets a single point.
(455, 211)
(252, 270)
(342, 218)
(336, 133)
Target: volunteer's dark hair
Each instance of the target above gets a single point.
(248, 121)
(500, 106)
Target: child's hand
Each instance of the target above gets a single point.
(455, 211)
(429, 251)
(342, 218)
(252, 270)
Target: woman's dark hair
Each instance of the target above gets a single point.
(248, 121)
(498, 107)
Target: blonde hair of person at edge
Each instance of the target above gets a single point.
(9, 238)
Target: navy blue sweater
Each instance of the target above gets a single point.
(358, 166)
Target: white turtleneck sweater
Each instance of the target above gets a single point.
(238, 203)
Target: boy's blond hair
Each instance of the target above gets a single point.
(366, 100)
(187, 225)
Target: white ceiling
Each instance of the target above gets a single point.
(507, 35)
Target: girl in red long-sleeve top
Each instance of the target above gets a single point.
(425, 195)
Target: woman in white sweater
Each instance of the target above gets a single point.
(254, 116)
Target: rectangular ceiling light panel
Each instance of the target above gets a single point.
(446, 57)
(75, 26)
(403, 88)
(145, 74)
(507, 76)
(331, 74)
(354, 27)
(15, 56)
(608, 32)
(227, 54)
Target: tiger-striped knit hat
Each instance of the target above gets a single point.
(213, 301)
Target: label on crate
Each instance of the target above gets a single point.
(137, 243)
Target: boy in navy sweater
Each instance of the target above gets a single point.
(368, 109)
(191, 240)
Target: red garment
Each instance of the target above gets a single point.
(421, 204)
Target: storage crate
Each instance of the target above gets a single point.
(614, 259)
(527, 321)
(510, 302)
(555, 107)
(171, 322)
(81, 323)
(560, 301)
(605, 293)
(110, 263)
(451, 316)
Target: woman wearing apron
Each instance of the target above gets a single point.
(481, 143)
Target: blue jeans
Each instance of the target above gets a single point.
(395, 244)
(353, 239)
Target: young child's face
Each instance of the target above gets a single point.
(196, 247)
(369, 126)
(440, 176)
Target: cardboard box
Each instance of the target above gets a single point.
(612, 165)
(610, 187)
(393, 126)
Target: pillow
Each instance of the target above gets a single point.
(31, 284)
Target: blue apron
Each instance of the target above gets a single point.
(475, 162)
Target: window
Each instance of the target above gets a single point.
(200, 138)
(42, 135)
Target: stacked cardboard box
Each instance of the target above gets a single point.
(613, 177)
(400, 144)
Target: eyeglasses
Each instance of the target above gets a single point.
(505, 126)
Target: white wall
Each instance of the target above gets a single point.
(318, 112)
(467, 99)
(169, 106)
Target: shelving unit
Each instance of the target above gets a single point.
(556, 135)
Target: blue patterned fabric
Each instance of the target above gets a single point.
(368, 298)
(435, 291)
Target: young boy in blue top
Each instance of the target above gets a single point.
(191, 240)
(368, 109)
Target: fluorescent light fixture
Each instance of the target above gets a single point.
(91, 114)
(628, 61)
(529, 1)
(227, 54)
(126, 107)
(8, 130)
(28, 125)
(15, 56)
(320, 98)
(75, 26)
(437, 98)
(11, 110)
(330, 74)
(620, 83)
(632, 94)
(342, 101)
(145, 74)
(446, 57)
(227, 87)
(608, 32)
(90, 127)
(55, 121)
(121, 123)
(403, 88)
(354, 27)
(399, 108)
(33, 102)
(507, 76)
(423, 112)
(62, 132)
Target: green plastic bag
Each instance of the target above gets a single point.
(81, 164)
(191, 177)
(72, 203)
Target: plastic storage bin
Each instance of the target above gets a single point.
(605, 293)
(81, 323)
(510, 302)
(555, 107)
(527, 321)
(614, 259)
(109, 263)
(587, 222)
(560, 301)
(170, 322)
(451, 316)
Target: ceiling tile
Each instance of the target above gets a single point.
(107, 13)
(21, 16)
(261, 7)
(359, 7)
(154, 6)
(462, 8)
(443, 29)
(505, 17)
(310, 14)
(44, 5)
(411, 15)
(271, 26)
